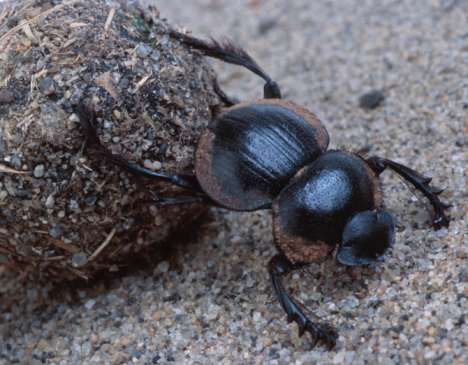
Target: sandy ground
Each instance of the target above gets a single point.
(211, 302)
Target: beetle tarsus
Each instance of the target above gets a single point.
(279, 265)
(420, 182)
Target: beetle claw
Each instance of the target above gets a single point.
(326, 334)
(330, 340)
(315, 338)
(302, 328)
(279, 265)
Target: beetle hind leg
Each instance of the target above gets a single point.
(278, 266)
(229, 52)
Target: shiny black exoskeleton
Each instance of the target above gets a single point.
(270, 153)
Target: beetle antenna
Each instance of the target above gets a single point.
(228, 51)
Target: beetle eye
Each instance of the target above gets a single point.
(366, 238)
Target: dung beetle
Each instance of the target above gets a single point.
(272, 154)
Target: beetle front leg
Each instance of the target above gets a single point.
(279, 266)
(420, 182)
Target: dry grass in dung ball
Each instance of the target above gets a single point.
(65, 212)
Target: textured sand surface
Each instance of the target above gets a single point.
(211, 301)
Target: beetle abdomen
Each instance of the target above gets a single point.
(311, 212)
(249, 154)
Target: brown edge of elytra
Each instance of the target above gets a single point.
(204, 161)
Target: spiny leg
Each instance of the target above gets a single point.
(187, 181)
(279, 266)
(228, 52)
(420, 182)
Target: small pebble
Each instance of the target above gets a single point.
(371, 100)
(6, 96)
(143, 50)
(58, 230)
(90, 304)
(79, 259)
(39, 171)
(50, 201)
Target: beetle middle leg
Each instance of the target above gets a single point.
(279, 266)
(188, 181)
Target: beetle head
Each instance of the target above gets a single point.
(366, 238)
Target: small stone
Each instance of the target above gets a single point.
(50, 202)
(93, 338)
(79, 259)
(125, 341)
(47, 86)
(430, 355)
(143, 50)
(39, 171)
(257, 316)
(58, 230)
(124, 200)
(161, 268)
(90, 304)
(6, 96)
(15, 160)
(266, 341)
(73, 205)
(33, 12)
(428, 340)
(371, 100)
(90, 201)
